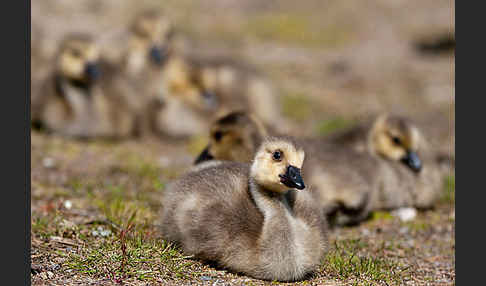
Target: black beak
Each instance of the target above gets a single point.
(292, 178)
(210, 100)
(92, 71)
(412, 161)
(158, 55)
(204, 156)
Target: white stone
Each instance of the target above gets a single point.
(405, 214)
(48, 162)
(68, 204)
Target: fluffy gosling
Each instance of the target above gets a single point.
(249, 218)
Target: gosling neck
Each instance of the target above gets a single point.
(135, 61)
(268, 202)
(61, 81)
(371, 140)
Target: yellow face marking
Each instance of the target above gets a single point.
(266, 170)
(92, 53)
(181, 84)
(386, 147)
(74, 56)
(226, 144)
(394, 142)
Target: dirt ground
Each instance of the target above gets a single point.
(94, 203)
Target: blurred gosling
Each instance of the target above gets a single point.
(238, 86)
(84, 97)
(175, 108)
(414, 176)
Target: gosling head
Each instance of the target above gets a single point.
(152, 33)
(277, 165)
(213, 80)
(396, 138)
(234, 137)
(78, 59)
(184, 83)
(204, 80)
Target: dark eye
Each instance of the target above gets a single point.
(277, 155)
(397, 140)
(218, 135)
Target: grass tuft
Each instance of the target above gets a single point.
(418, 225)
(326, 127)
(297, 106)
(346, 262)
(381, 215)
(449, 195)
(131, 256)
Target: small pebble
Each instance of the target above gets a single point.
(68, 204)
(405, 214)
(100, 231)
(410, 243)
(105, 232)
(48, 162)
(50, 274)
(217, 282)
(206, 278)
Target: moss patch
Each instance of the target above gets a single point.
(328, 126)
(297, 29)
(297, 106)
(449, 195)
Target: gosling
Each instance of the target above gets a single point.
(413, 176)
(142, 61)
(174, 107)
(249, 218)
(84, 97)
(237, 85)
(187, 109)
